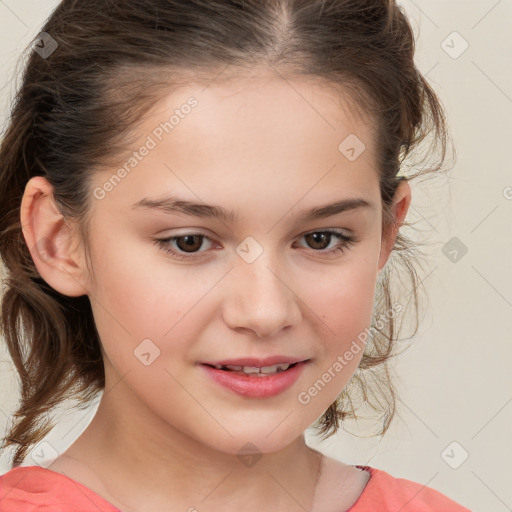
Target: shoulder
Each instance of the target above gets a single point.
(34, 488)
(385, 492)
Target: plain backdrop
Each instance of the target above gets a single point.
(453, 432)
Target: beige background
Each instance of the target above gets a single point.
(455, 382)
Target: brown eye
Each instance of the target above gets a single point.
(320, 241)
(181, 246)
(317, 240)
(189, 243)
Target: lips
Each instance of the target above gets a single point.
(257, 386)
(256, 362)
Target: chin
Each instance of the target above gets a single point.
(256, 441)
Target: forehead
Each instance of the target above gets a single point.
(265, 98)
(246, 136)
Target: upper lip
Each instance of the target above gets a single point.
(256, 362)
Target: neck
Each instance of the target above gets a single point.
(145, 465)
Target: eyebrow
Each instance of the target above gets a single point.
(174, 205)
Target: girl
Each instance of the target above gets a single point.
(199, 200)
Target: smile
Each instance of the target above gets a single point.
(256, 382)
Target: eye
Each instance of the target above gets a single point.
(320, 237)
(188, 245)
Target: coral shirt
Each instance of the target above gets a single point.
(38, 489)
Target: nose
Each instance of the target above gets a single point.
(260, 299)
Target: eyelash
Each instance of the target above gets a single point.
(345, 240)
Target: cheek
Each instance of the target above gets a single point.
(342, 299)
(343, 305)
(138, 297)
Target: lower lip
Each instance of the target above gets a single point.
(257, 387)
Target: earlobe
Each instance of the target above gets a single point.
(401, 203)
(50, 240)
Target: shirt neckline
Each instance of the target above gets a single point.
(367, 487)
(106, 503)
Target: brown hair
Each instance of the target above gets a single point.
(114, 60)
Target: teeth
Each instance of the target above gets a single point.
(276, 368)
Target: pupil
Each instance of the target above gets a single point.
(188, 245)
(317, 238)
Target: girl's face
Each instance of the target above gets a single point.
(258, 156)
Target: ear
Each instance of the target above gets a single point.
(50, 239)
(400, 206)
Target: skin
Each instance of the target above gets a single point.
(165, 433)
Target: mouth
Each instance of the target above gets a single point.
(255, 371)
(257, 382)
